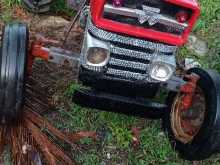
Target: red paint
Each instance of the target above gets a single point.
(189, 90)
(97, 7)
(37, 51)
(182, 17)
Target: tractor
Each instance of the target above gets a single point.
(128, 59)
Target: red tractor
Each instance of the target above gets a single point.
(128, 57)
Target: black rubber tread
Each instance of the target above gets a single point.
(13, 62)
(30, 3)
(207, 141)
(43, 6)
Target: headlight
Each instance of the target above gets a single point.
(95, 53)
(161, 72)
(163, 67)
(97, 56)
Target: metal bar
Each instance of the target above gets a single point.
(119, 104)
(63, 57)
(152, 16)
(129, 64)
(113, 37)
(131, 53)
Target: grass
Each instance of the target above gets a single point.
(114, 148)
(208, 29)
(155, 148)
(57, 7)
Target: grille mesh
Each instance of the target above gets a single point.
(130, 57)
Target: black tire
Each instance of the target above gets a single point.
(13, 63)
(37, 6)
(207, 141)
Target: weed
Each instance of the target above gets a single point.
(60, 7)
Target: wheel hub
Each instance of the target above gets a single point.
(187, 123)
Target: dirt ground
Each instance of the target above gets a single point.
(51, 81)
(48, 81)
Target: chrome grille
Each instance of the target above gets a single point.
(128, 64)
(130, 57)
(131, 53)
(125, 74)
(113, 37)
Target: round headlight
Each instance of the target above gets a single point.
(161, 72)
(97, 56)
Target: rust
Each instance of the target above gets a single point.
(187, 123)
(189, 89)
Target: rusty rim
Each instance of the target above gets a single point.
(186, 124)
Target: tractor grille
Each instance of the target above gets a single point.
(156, 15)
(130, 57)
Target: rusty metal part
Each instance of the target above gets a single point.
(63, 57)
(188, 111)
(188, 89)
(52, 54)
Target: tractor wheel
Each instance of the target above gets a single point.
(195, 133)
(37, 6)
(13, 62)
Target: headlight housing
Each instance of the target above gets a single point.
(95, 53)
(97, 57)
(163, 67)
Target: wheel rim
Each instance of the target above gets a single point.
(186, 124)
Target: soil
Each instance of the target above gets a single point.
(48, 81)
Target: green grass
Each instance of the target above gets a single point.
(155, 148)
(60, 7)
(208, 29)
(57, 7)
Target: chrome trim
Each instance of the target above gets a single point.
(126, 74)
(136, 64)
(148, 14)
(131, 53)
(130, 75)
(168, 61)
(91, 42)
(102, 64)
(113, 37)
(128, 64)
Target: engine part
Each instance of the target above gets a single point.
(13, 65)
(52, 54)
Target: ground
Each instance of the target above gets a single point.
(115, 129)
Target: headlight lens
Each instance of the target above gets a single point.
(161, 72)
(97, 56)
